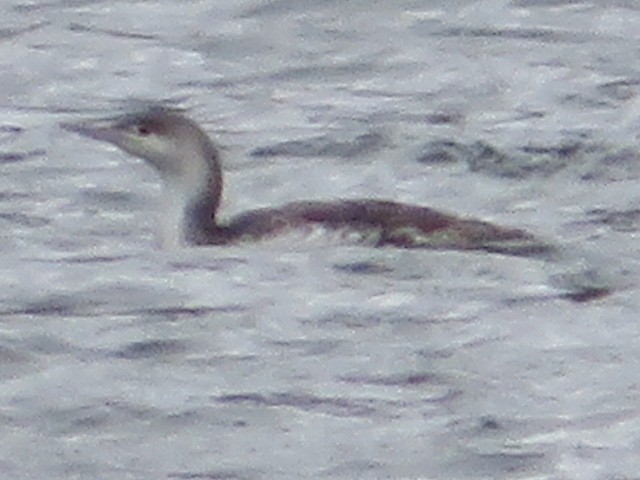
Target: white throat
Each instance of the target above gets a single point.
(173, 208)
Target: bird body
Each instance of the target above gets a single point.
(189, 165)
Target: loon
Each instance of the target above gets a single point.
(189, 165)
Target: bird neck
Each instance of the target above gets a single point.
(193, 202)
(199, 214)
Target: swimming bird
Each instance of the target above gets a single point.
(189, 165)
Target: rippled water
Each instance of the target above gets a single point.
(297, 359)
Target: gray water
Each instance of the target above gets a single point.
(304, 359)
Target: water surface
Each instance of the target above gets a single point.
(308, 360)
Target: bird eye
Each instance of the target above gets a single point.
(143, 130)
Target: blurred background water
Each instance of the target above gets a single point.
(297, 359)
